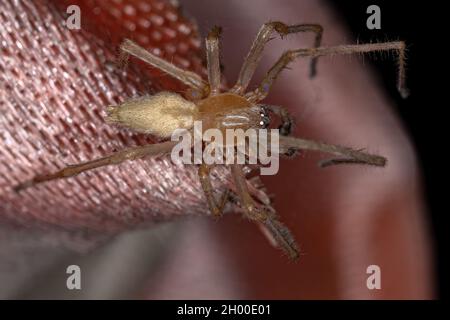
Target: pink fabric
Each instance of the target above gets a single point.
(56, 84)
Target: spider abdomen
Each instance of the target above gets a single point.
(159, 114)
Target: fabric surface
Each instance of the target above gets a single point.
(55, 85)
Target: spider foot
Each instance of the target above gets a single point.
(276, 232)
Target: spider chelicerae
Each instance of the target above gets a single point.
(161, 114)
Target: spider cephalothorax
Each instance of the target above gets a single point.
(163, 113)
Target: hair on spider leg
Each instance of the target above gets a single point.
(122, 60)
(377, 162)
(280, 237)
(345, 155)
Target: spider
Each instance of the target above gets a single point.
(161, 114)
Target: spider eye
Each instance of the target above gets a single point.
(265, 119)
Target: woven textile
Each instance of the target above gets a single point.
(55, 84)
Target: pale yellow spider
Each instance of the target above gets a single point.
(165, 112)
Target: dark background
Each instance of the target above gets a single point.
(420, 24)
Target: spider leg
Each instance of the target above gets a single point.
(189, 78)
(264, 35)
(277, 230)
(213, 60)
(346, 155)
(115, 158)
(289, 56)
(205, 180)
